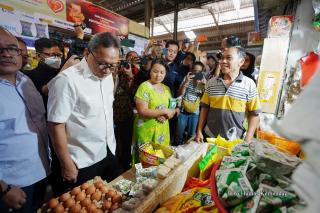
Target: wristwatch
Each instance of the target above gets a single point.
(3, 193)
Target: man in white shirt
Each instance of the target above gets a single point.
(80, 114)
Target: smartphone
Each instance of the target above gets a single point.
(198, 76)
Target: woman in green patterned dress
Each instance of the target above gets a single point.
(152, 102)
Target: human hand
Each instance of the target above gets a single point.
(169, 113)
(74, 59)
(161, 119)
(199, 137)
(15, 197)
(204, 81)
(189, 78)
(127, 71)
(70, 173)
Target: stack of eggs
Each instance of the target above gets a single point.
(92, 197)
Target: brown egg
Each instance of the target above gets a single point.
(91, 208)
(85, 202)
(75, 191)
(111, 193)
(117, 198)
(53, 203)
(115, 206)
(69, 203)
(83, 210)
(65, 197)
(99, 184)
(104, 189)
(85, 185)
(81, 196)
(90, 190)
(75, 208)
(96, 196)
(106, 205)
(98, 211)
(59, 209)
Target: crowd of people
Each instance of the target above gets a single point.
(86, 114)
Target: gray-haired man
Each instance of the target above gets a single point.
(80, 114)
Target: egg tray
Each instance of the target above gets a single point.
(92, 196)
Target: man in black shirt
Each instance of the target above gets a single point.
(171, 52)
(49, 57)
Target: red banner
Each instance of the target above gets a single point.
(96, 18)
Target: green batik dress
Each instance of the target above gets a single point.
(149, 129)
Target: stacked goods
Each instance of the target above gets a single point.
(151, 154)
(146, 179)
(93, 197)
(255, 178)
(193, 200)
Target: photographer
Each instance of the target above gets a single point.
(191, 91)
(123, 108)
(78, 45)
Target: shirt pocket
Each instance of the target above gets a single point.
(89, 107)
(7, 125)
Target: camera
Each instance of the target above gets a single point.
(198, 76)
(219, 55)
(125, 64)
(82, 25)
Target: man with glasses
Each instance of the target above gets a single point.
(23, 46)
(24, 163)
(49, 57)
(80, 114)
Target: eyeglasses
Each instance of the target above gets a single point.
(105, 65)
(59, 55)
(13, 51)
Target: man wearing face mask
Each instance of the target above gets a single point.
(49, 57)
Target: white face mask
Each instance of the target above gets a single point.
(53, 62)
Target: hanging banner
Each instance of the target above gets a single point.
(53, 8)
(97, 18)
(23, 25)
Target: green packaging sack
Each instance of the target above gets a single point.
(233, 186)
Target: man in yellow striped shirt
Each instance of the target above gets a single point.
(228, 98)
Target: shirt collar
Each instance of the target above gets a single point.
(19, 78)
(238, 78)
(87, 73)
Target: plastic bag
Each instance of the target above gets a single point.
(193, 182)
(270, 160)
(193, 200)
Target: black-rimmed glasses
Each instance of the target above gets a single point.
(13, 51)
(59, 55)
(105, 65)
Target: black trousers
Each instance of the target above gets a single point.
(108, 169)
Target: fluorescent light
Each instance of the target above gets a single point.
(190, 34)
